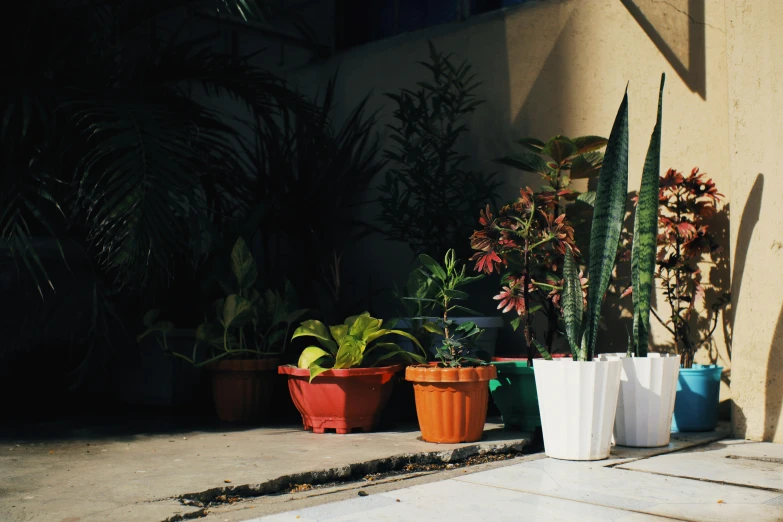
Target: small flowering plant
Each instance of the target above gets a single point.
(526, 243)
(684, 240)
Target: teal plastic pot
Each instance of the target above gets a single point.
(698, 393)
(514, 393)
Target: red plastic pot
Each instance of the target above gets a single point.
(242, 389)
(343, 400)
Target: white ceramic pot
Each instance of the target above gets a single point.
(578, 401)
(648, 386)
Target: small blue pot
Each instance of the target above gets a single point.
(696, 405)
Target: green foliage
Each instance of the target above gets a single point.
(572, 304)
(312, 174)
(247, 323)
(608, 215)
(527, 258)
(645, 234)
(458, 340)
(559, 160)
(429, 195)
(351, 344)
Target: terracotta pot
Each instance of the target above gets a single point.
(342, 400)
(451, 402)
(242, 389)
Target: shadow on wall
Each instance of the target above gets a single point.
(371, 265)
(748, 221)
(774, 392)
(677, 29)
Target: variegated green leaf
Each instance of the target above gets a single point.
(645, 233)
(316, 329)
(311, 355)
(351, 353)
(573, 307)
(543, 351)
(608, 217)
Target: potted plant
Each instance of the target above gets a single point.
(243, 341)
(578, 397)
(452, 394)
(686, 204)
(526, 242)
(648, 380)
(341, 384)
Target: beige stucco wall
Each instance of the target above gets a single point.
(561, 67)
(756, 133)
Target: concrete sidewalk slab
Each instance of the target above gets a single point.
(739, 462)
(456, 501)
(549, 489)
(136, 477)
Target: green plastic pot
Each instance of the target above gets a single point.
(514, 393)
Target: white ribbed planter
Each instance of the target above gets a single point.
(648, 387)
(578, 401)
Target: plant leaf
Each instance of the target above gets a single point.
(645, 234)
(351, 353)
(525, 161)
(607, 221)
(316, 370)
(589, 143)
(432, 328)
(311, 355)
(243, 265)
(433, 266)
(532, 144)
(455, 294)
(339, 332)
(559, 149)
(316, 329)
(543, 351)
(150, 317)
(582, 167)
(210, 333)
(587, 197)
(572, 301)
(237, 311)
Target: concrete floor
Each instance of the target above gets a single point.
(285, 473)
(730, 480)
(99, 477)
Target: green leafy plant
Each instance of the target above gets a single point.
(429, 195)
(645, 233)
(559, 161)
(247, 324)
(526, 242)
(351, 344)
(457, 339)
(582, 328)
(686, 204)
(311, 176)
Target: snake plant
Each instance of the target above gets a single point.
(351, 344)
(608, 216)
(645, 235)
(605, 236)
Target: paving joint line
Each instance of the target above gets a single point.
(538, 493)
(711, 481)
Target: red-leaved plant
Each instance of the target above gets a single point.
(684, 240)
(526, 243)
